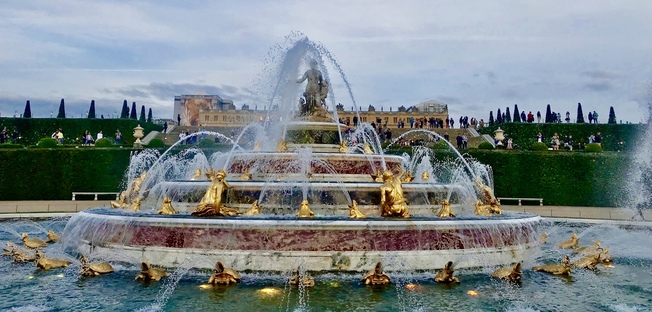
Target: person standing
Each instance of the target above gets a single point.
(60, 136)
(100, 135)
(595, 117)
(446, 136)
(538, 116)
(118, 137)
(459, 141)
(590, 117)
(165, 127)
(465, 141)
(178, 119)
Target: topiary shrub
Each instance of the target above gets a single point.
(485, 146)
(156, 143)
(207, 143)
(539, 146)
(593, 148)
(47, 143)
(103, 142)
(441, 144)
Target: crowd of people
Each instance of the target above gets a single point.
(567, 142)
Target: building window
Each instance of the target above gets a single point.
(224, 118)
(207, 118)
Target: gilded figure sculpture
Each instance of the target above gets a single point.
(94, 268)
(407, 177)
(301, 279)
(134, 189)
(445, 275)
(354, 212)
(563, 268)
(376, 276)
(197, 174)
(121, 202)
(135, 204)
(19, 254)
(377, 176)
(52, 237)
(343, 147)
(425, 176)
(304, 210)
(510, 273)
(210, 174)
(246, 176)
(282, 146)
(166, 207)
(445, 211)
(572, 243)
(45, 263)
(212, 202)
(148, 273)
(367, 148)
(254, 210)
(392, 201)
(223, 275)
(32, 243)
(544, 238)
(487, 205)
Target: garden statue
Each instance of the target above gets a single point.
(392, 201)
(445, 211)
(354, 213)
(166, 207)
(304, 210)
(212, 202)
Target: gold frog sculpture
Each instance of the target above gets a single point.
(511, 273)
(304, 210)
(445, 275)
(166, 207)
(52, 237)
(254, 210)
(302, 279)
(354, 212)
(572, 243)
(376, 276)
(445, 211)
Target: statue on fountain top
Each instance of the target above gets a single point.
(315, 95)
(392, 201)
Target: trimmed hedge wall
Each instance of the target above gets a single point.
(33, 129)
(525, 134)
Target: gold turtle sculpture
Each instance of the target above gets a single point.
(254, 210)
(304, 210)
(166, 207)
(563, 268)
(148, 273)
(52, 237)
(19, 254)
(445, 211)
(445, 275)
(354, 212)
(544, 238)
(94, 268)
(511, 273)
(299, 279)
(223, 275)
(589, 262)
(32, 243)
(589, 249)
(407, 177)
(572, 243)
(46, 263)
(376, 276)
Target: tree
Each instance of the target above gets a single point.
(62, 110)
(142, 113)
(149, 115)
(491, 118)
(499, 117)
(91, 111)
(508, 116)
(548, 114)
(580, 114)
(125, 110)
(517, 115)
(133, 111)
(28, 111)
(612, 116)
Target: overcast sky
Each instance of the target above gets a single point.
(476, 56)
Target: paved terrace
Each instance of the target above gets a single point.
(60, 208)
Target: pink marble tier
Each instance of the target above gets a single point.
(323, 163)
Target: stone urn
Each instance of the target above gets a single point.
(138, 134)
(499, 136)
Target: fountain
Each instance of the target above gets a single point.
(287, 202)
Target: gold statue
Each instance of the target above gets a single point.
(378, 176)
(254, 210)
(487, 205)
(511, 274)
(354, 212)
(19, 254)
(303, 280)
(445, 211)
(52, 237)
(223, 275)
(572, 243)
(32, 243)
(425, 176)
(407, 177)
(544, 238)
(445, 275)
(210, 174)
(584, 250)
(376, 276)
(94, 268)
(563, 268)
(486, 210)
(246, 176)
(134, 189)
(304, 210)
(392, 202)
(148, 273)
(166, 207)
(135, 204)
(121, 202)
(257, 146)
(197, 175)
(343, 148)
(45, 263)
(589, 262)
(211, 203)
(605, 259)
(367, 148)
(282, 146)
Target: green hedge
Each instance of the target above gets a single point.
(33, 129)
(615, 137)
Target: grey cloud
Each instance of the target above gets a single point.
(510, 93)
(600, 74)
(599, 86)
(491, 76)
(166, 91)
(450, 99)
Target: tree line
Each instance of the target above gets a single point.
(550, 117)
(125, 113)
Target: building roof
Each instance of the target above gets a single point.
(432, 106)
